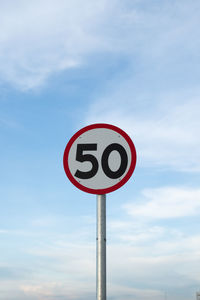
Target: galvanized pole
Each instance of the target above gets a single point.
(101, 247)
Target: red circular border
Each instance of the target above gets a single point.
(114, 187)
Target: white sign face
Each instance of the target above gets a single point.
(99, 158)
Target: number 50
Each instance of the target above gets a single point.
(81, 157)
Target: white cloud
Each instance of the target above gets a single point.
(157, 101)
(165, 129)
(59, 266)
(129, 268)
(120, 292)
(43, 37)
(150, 268)
(40, 38)
(56, 290)
(166, 203)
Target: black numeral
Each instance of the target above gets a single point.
(104, 160)
(124, 161)
(86, 157)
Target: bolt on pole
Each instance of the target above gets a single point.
(101, 248)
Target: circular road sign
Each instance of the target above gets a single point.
(99, 158)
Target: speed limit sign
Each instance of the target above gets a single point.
(99, 158)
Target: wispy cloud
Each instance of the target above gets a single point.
(165, 128)
(157, 99)
(143, 260)
(166, 203)
(40, 39)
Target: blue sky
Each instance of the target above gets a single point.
(64, 65)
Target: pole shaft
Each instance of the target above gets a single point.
(101, 247)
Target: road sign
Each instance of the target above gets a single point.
(99, 158)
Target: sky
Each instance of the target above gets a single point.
(64, 65)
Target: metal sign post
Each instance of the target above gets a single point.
(101, 248)
(99, 159)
